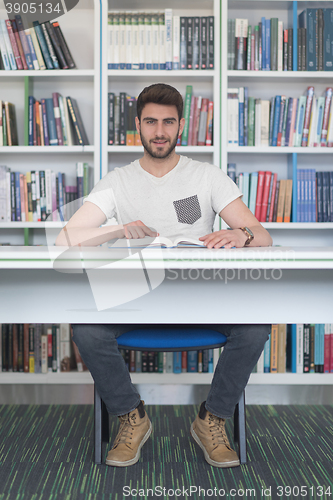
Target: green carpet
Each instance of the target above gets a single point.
(46, 453)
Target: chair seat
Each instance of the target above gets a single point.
(171, 339)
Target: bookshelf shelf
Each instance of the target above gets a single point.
(278, 150)
(32, 225)
(168, 378)
(298, 225)
(47, 149)
(283, 75)
(76, 73)
(148, 74)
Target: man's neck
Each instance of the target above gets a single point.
(158, 166)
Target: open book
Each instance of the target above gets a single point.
(159, 241)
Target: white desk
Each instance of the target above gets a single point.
(32, 291)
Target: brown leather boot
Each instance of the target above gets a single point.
(135, 429)
(209, 432)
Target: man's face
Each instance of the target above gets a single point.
(159, 129)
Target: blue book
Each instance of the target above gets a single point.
(253, 191)
(302, 172)
(308, 19)
(300, 120)
(326, 181)
(277, 107)
(263, 42)
(306, 195)
(268, 44)
(51, 125)
(267, 356)
(313, 197)
(298, 210)
(3, 50)
(322, 343)
(211, 361)
(328, 40)
(31, 120)
(241, 117)
(43, 45)
(17, 197)
(309, 214)
(192, 361)
(177, 362)
(317, 347)
(32, 50)
(319, 179)
(293, 348)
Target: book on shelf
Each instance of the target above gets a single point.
(54, 121)
(8, 124)
(38, 47)
(160, 40)
(39, 196)
(268, 43)
(306, 121)
(298, 348)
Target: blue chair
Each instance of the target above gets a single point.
(167, 340)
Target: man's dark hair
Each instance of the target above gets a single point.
(160, 93)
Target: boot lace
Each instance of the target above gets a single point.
(126, 430)
(217, 428)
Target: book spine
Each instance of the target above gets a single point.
(328, 40)
(43, 45)
(327, 105)
(24, 42)
(50, 47)
(211, 35)
(56, 110)
(183, 42)
(169, 54)
(58, 50)
(63, 45)
(308, 107)
(189, 43)
(175, 42)
(14, 45)
(32, 49)
(187, 109)
(8, 46)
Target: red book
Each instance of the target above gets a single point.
(264, 204)
(209, 130)
(260, 189)
(331, 356)
(270, 217)
(19, 44)
(14, 44)
(184, 361)
(203, 122)
(327, 348)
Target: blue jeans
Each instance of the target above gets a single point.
(99, 350)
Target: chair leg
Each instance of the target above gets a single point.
(240, 429)
(105, 424)
(97, 426)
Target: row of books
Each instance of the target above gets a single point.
(169, 362)
(198, 114)
(268, 46)
(39, 47)
(268, 198)
(38, 348)
(55, 121)
(42, 194)
(159, 40)
(306, 121)
(298, 348)
(8, 124)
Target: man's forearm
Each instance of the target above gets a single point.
(88, 236)
(262, 238)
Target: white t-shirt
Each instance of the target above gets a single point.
(184, 202)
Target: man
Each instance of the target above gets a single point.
(171, 195)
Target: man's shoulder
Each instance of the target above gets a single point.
(119, 172)
(199, 166)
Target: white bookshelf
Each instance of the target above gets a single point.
(90, 84)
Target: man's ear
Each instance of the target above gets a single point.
(181, 126)
(137, 124)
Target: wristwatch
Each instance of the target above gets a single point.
(249, 235)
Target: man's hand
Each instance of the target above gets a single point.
(226, 238)
(137, 229)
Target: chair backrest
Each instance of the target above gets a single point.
(171, 339)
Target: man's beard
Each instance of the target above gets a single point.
(159, 154)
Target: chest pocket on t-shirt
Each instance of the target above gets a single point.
(188, 210)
